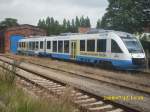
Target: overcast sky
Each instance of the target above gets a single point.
(30, 11)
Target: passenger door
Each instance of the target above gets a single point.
(73, 49)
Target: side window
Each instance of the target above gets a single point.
(115, 47)
(66, 46)
(41, 44)
(27, 45)
(37, 45)
(82, 45)
(23, 44)
(30, 45)
(60, 46)
(101, 45)
(19, 44)
(33, 45)
(91, 45)
(48, 44)
(54, 46)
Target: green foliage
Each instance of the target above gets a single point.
(53, 27)
(146, 45)
(13, 99)
(8, 73)
(126, 15)
(8, 22)
(98, 25)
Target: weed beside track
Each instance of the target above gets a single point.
(14, 99)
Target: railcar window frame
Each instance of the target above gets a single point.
(115, 48)
(82, 45)
(60, 46)
(33, 45)
(66, 46)
(48, 44)
(19, 44)
(91, 46)
(101, 45)
(41, 44)
(30, 45)
(36, 45)
(55, 46)
(23, 44)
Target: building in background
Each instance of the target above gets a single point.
(10, 36)
(83, 29)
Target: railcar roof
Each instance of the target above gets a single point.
(77, 36)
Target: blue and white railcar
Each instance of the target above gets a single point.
(31, 46)
(119, 49)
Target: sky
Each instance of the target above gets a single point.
(30, 11)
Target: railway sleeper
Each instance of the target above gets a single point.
(85, 101)
(53, 86)
(58, 88)
(93, 104)
(46, 85)
(76, 94)
(73, 93)
(46, 82)
(100, 108)
(116, 110)
(82, 97)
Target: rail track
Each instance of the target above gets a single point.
(143, 88)
(84, 100)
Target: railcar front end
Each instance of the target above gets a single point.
(136, 52)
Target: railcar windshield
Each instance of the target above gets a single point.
(133, 46)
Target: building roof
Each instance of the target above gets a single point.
(24, 26)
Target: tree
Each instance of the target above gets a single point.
(53, 27)
(42, 24)
(82, 22)
(8, 22)
(98, 25)
(88, 23)
(124, 15)
(48, 21)
(64, 26)
(145, 12)
(85, 22)
(77, 22)
(68, 26)
(73, 26)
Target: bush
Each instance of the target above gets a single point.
(8, 73)
(146, 45)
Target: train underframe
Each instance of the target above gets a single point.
(132, 64)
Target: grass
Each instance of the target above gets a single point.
(14, 99)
